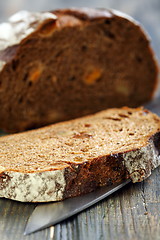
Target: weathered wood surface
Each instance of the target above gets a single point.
(133, 213)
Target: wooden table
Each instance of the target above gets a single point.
(133, 213)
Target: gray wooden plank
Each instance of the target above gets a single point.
(13, 218)
(132, 214)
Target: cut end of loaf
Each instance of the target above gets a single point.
(77, 64)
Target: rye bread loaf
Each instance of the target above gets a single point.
(69, 63)
(75, 157)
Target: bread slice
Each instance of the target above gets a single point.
(69, 63)
(75, 157)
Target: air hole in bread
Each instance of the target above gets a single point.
(123, 115)
(15, 64)
(59, 53)
(29, 83)
(107, 21)
(87, 125)
(109, 34)
(82, 135)
(72, 78)
(84, 48)
(25, 77)
(139, 59)
(20, 99)
(112, 118)
(131, 134)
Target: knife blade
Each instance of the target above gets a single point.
(48, 214)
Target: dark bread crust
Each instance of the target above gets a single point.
(87, 87)
(107, 170)
(101, 171)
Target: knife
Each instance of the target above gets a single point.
(48, 214)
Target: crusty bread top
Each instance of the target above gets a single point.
(56, 146)
(23, 23)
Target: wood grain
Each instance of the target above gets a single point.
(133, 213)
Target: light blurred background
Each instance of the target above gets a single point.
(147, 12)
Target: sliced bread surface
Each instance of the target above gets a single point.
(75, 157)
(69, 63)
